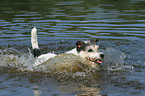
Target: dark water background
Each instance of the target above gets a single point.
(118, 24)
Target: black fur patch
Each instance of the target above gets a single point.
(94, 41)
(80, 46)
(36, 52)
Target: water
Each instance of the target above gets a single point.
(119, 25)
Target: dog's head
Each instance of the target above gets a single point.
(89, 51)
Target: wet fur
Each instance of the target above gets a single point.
(87, 50)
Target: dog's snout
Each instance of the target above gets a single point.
(102, 55)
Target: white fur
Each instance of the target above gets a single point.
(34, 38)
(73, 51)
(44, 57)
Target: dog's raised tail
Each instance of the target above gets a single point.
(34, 42)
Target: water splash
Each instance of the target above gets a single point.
(15, 59)
(113, 61)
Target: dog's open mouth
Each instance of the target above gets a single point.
(97, 61)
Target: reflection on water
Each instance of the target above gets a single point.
(118, 24)
(36, 91)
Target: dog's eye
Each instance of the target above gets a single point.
(90, 50)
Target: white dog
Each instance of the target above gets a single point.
(87, 50)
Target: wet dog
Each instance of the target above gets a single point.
(86, 50)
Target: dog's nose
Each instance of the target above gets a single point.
(102, 55)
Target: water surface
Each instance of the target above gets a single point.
(119, 25)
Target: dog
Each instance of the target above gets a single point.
(86, 50)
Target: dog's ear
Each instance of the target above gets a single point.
(80, 45)
(94, 41)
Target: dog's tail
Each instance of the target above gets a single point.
(34, 42)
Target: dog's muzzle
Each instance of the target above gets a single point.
(97, 61)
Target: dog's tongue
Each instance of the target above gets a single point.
(98, 61)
